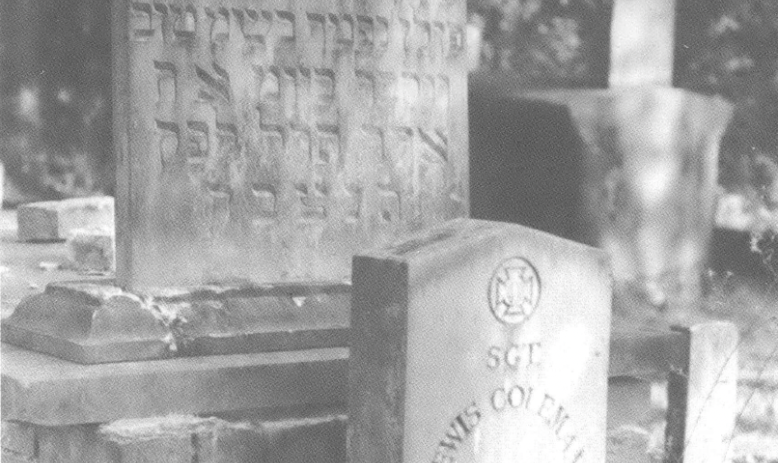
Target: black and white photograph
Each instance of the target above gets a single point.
(389, 231)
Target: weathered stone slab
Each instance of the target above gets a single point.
(54, 220)
(98, 322)
(44, 390)
(271, 141)
(479, 341)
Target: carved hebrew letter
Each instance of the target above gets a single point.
(166, 82)
(220, 29)
(270, 99)
(284, 31)
(323, 95)
(381, 34)
(423, 38)
(140, 21)
(407, 98)
(365, 89)
(185, 23)
(168, 141)
(264, 199)
(365, 29)
(317, 38)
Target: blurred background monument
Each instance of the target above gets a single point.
(632, 169)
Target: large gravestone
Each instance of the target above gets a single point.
(269, 141)
(479, 341)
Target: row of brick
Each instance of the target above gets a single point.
(183, 439)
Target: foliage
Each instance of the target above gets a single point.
(547, 42)
(724, 47)
(56, 97)
(730, 47)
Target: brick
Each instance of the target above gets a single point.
(321, 439)
(53, 220)
(11, 457)
(628, 443)
(305, 435)
(18, 438)
(629, 402)
(162, 439)
(91, 249)
(72, 444)
(229, 442)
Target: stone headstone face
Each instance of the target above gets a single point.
(479, 341)
(269, 141)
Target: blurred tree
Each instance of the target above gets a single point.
(725, 47)
(730, 47)
(547, 43)
(56, 95)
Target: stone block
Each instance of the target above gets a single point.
(276, 436)
(45, 390)
(154, 440)
(628, 444)
(479, 341)
(18, 438)
(91, 249)
(229, 442)
(10, 457)
(706, 393)
(54, 220)
(73, 444)
(629, 402)
(645, 352)
(317, 438)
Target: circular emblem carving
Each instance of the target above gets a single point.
(514, 291)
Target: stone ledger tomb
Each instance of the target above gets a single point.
(479, 341)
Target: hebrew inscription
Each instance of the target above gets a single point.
(270, 141)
